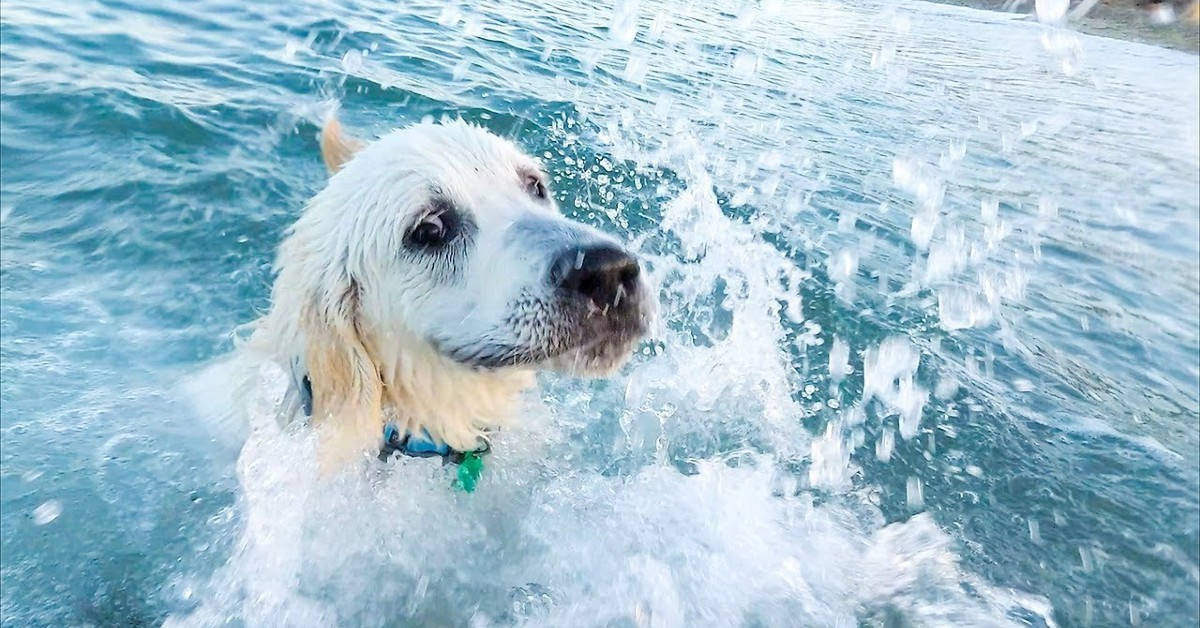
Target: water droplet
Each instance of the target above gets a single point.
(1162, 13)
(958, 150)
(745, 17)
(1085, 558)
(1051, 11)
(915, 493)
(885, 445)
(657, 26)
(962, 308)
(884, 56)
(946, 388)
(923, 225)
(449, 16)
(352, 61)
(746, 63)
(897, 74)
(1047, 207)
(989, 209)
(623, 27)
(839, 360)
(846, 221)
(843, 266)
(460, 69)
(636, 68)
(473, 26)
(47, 512)
(830, 459)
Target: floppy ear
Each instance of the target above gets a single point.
(346, 385)
(336, 147)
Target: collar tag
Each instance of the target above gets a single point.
(469, 470)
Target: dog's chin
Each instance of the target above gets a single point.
(596, 356)
(599, 358)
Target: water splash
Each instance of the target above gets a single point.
(889, 373)
(47, 512)
(762, 160)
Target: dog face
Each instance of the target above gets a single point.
(450, 234)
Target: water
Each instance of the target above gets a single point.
(928, 354)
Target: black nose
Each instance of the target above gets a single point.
(604, 274)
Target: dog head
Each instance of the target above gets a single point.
(449, 234)
(433, 274)
(445, 239)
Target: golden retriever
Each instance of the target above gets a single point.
(427, 282)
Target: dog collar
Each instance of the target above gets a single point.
(423, 446)
(470, 463)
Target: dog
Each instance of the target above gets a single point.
(420, 291)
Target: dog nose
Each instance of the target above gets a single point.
(604, 274)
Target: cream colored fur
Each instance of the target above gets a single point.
(364, 375)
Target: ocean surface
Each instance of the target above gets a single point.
(929, 348)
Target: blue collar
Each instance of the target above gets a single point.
(423, 446)
(408, 444)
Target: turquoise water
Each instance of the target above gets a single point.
(929, 350)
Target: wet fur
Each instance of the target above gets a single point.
(362, 376)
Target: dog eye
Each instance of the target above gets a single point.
(430, 232)
(536, 187)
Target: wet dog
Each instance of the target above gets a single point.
(423, 287)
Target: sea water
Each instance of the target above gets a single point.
(927, 353)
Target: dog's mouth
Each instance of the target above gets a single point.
(596, 358)
(594, 349)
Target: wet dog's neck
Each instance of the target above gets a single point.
(429, 397)
(421, 445)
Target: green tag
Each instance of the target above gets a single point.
(469, 471)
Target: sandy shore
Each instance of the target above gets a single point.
(1171, 24)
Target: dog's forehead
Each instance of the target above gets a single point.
(460, 159)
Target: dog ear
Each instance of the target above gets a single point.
(347, 388)
(336, 147)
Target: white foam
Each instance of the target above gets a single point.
(215, 393)
(962, 308)
(541, 544)
(553, 537)
(667, 496)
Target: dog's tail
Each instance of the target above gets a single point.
(336, 147)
